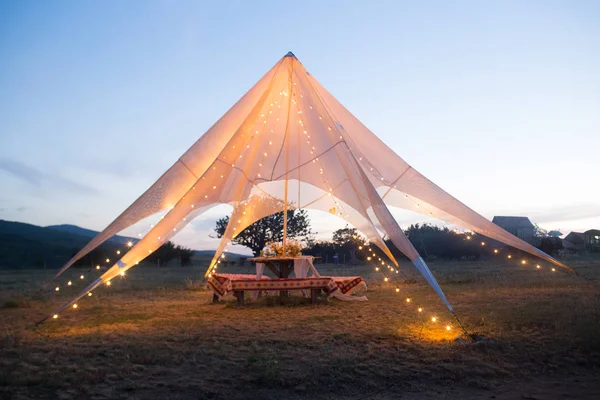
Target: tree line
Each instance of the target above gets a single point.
(431, 241)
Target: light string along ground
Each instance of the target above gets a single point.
(371, 256)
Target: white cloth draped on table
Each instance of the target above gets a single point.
(260, 268)
(302, 265)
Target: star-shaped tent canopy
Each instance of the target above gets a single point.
(288, 143)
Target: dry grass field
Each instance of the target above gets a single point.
(155, 335)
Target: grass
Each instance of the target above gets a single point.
(156, 334)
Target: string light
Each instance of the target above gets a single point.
(57, 289)
(55, 316)
(81, 276)
(90, 294)
(448, 327)
(433, 319)
(75, 305)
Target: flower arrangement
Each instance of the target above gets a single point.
(292, 248)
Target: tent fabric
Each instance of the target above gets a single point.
(288, 138)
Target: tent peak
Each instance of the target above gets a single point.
(289, 54)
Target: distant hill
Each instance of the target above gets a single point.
(77, 230)
(31, 246)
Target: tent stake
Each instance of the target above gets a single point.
(461, 326)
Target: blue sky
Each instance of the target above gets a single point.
(496, 102)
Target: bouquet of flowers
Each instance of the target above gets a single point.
(292, 248)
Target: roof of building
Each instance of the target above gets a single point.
(555, 233)
(575, 237)
(592, 232)
(568, 245)
(512, 222)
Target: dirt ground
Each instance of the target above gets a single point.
(155, 335)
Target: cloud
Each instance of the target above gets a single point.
(22, 209)
(566, 213)
(38, 178)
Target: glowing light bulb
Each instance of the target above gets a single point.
(386, 279)
(408, 299)
(553, 269)
(420, 309)
(122, 273)
(523, 262)
(448, 327)
(434, 319)
(107, 283)
(57, 289)
(538, 266)
(55, 316)
(108, 260)
(69, 283)
(97, 267)
(130, 243)
(376, 268)
(369, 258)
(81, 276)
(397, 290)
(118, 251)
(483, 243)
(75, 305)
(90, 294)
(496, 251)
(509, 256)
(468, 237)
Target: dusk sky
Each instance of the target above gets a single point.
(496, 102)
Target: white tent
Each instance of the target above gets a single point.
(289, 143)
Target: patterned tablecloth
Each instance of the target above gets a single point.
(223, 284)
(348, 284)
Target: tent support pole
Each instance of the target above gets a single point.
(286, 140)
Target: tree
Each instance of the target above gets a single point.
(347, 241)
(539, 232)
(550, 245)
(270, 229)
(170, 251)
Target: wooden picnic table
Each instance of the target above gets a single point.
(281, 267)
